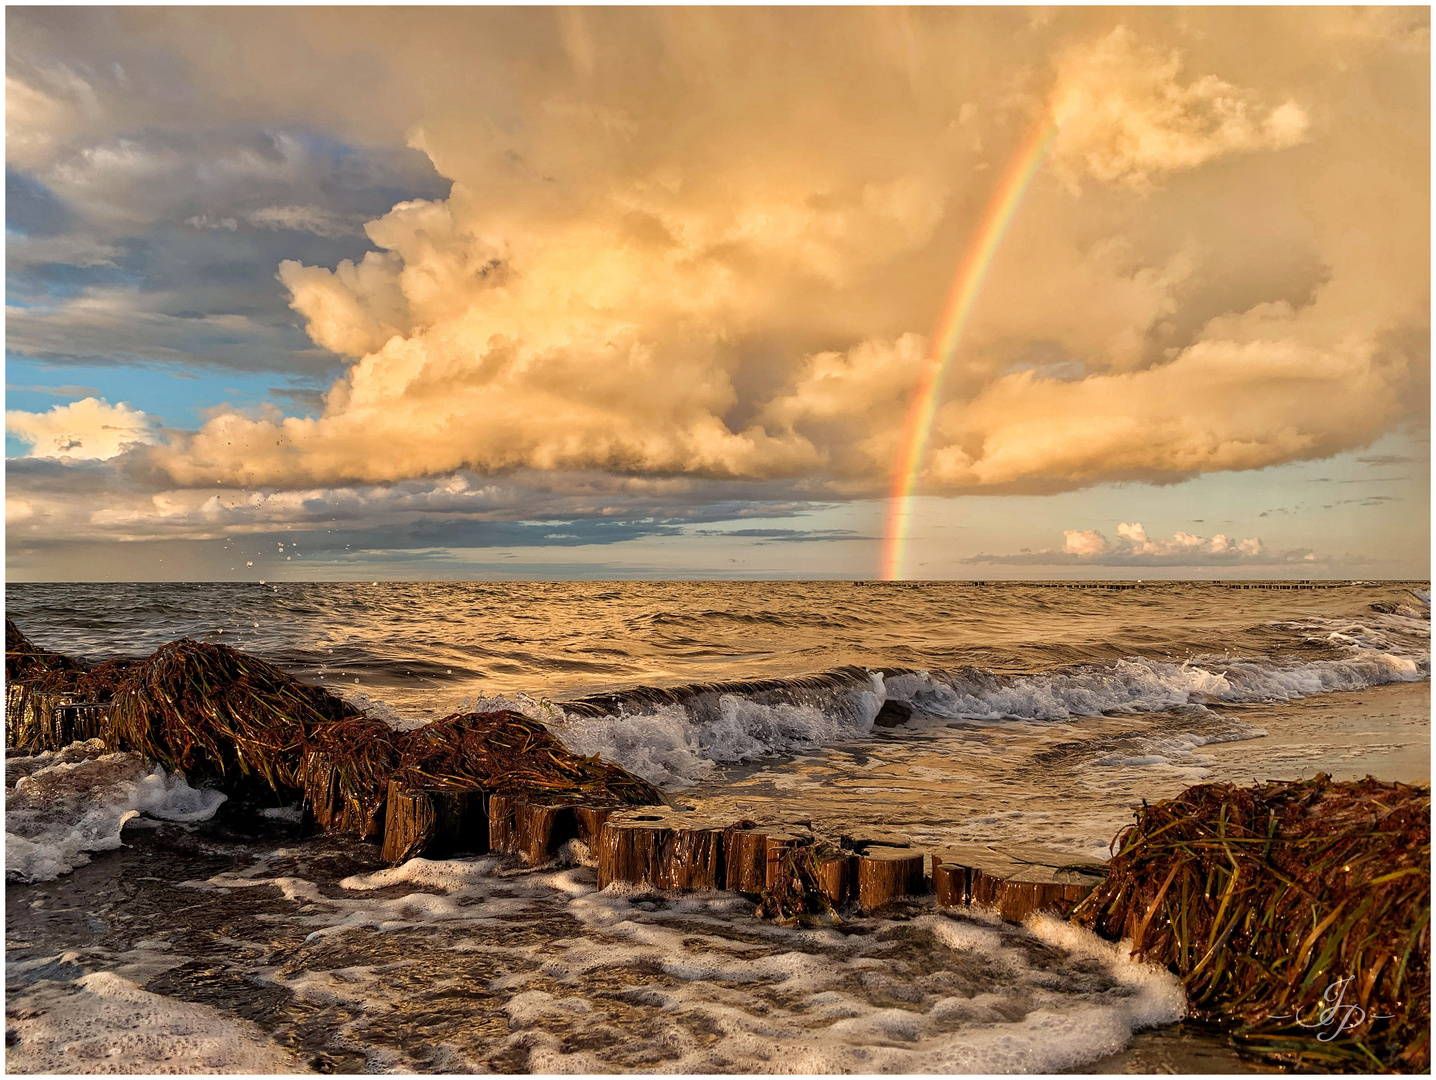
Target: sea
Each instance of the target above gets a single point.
(152, 926)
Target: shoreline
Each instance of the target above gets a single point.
(927, 785)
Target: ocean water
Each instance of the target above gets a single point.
(945, 711)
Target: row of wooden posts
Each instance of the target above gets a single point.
(681, 850)
(660, 847)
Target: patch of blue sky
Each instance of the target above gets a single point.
(177, 398)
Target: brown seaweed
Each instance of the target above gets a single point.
(1298, 913)
(512, 754)
(212, 712)
(26, 660)
(347, 771)
(795, 895)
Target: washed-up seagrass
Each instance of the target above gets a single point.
(795, 897)
(347, 771)
(512, 754)
(26, 660)
(1299, 913)
(215, 713)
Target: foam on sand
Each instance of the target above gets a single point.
(944, 992)
(77, 802)
(103, 1023)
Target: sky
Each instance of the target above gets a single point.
(447, 293)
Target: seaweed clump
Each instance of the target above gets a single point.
(1297, 913)
(26, 660)
(507, 753)
(214, 713)
(795, 896)
(347, 771)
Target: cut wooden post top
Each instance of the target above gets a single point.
(1041, 856)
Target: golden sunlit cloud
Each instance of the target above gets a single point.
(711, 247)
(86, 430)
(594, 291)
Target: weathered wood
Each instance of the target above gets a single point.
(436, 823)
(951, 884)
(1016, 878)
(838, 876)
(886, 874)
(745, 859)
(693, 857)
(503, 824)
(410, 821)
(36, 720)
(329, 807)
(630, 850)
(774, 846)
(590, 821)
(541, 829)
(80, 721)
(953, 868)
(988, 878)
(16, 692)
(323, 803)
(1040, 888)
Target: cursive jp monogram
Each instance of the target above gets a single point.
(1332, 1015)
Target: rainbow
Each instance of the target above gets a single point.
(947, 335)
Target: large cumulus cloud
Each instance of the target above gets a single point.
(620, 256)
(712, 244)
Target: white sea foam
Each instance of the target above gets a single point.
(1176, 750)
(380, 710)
(670, 746)
(675, 745)
(59, 813)
(943, 993)
(1141, 685)
(678, 743)
(103, 1023)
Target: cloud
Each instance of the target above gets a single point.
(662, 245)
(87, 430)
(594, 296)
(87, 501)
(1133, 547)
(785, 536)
(310, 219)
(108, 326)
(1123, 115)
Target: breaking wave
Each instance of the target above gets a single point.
(676, 736)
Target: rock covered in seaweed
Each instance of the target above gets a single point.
(513, 754)
(214, 713)
(1298, 912)
(26, 660)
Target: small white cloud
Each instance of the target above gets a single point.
(204, 221)
(89, 429)
(1084, 543)
(1133, 547)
